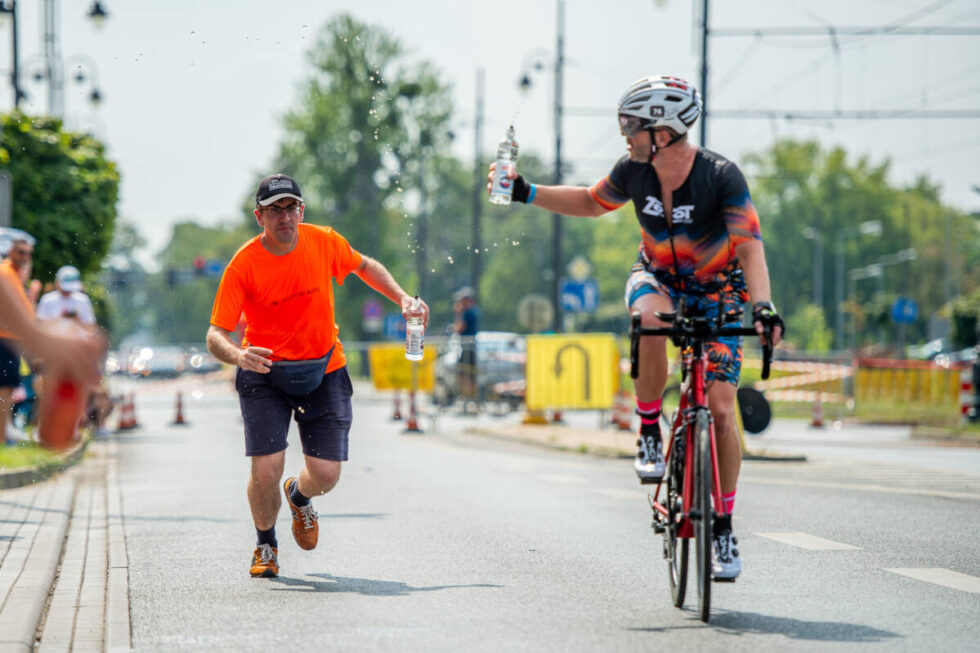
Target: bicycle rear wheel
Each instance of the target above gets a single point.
(702, 503)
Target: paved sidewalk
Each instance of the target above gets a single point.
(63, 564)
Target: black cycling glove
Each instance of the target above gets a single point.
(521, 189)
(765, 313)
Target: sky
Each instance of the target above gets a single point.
(195, 90)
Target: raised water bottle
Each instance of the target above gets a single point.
(503, 188)
(415, 331)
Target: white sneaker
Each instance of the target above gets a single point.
(725, 562)
(649, 464)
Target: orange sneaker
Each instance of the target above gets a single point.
(306, 531)
(265, 564)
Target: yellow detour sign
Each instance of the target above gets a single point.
(572, 370)
(390, 370)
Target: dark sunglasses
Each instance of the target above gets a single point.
(630, 125)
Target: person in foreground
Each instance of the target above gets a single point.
(291, 361)
(701, 242)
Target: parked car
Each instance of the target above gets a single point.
(500, 361)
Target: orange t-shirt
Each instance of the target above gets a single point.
(10, 275)
(287, 300)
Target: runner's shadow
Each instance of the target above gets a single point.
(732, 622)
(365, 586)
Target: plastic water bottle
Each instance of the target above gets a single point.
(503, 188)
(415, 331)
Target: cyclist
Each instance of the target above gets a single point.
(708, 252)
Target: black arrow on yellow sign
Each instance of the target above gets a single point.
(585, 357)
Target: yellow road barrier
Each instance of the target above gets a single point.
(574, 371)
(391, 371)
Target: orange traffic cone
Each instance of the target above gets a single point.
(179, 417)
(396, 416)
(127, 415)
(816, 421)
(412, 425)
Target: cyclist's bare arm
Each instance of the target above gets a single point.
(225, 350)
(752, 255)
(574, 201)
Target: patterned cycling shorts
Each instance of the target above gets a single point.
(724, 354)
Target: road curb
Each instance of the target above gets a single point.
(605, 443)
(14, 478)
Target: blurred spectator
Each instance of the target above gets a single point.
(14, 268)
(467, 325)
(68, 300)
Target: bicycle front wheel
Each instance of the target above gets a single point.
(702, 503)
(675, 548)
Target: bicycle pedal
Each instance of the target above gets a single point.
(650, 481)
(723, 580)
(658, 528)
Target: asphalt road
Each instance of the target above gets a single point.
(454, 541)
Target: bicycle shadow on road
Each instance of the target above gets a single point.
(364, 586)
(749, 623)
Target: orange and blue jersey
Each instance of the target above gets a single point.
(712, 213)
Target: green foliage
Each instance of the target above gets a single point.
(806, 329)
(64, 192)
(966, 314)
(797, 184)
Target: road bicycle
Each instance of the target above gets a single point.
(688, 499)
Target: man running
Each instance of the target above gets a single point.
(708, 252)
(291, 361)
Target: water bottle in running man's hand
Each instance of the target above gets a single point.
(415, 331)
(503, 188)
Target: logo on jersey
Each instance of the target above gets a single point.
(656, 112)
(679, 215)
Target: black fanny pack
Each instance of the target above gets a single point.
(299, 377)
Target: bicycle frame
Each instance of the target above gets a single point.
(693, 396)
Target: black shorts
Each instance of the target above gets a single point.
(9, 364)
(324, 421)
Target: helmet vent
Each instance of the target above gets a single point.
(674, 98)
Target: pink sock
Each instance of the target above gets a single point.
(648, 411)
(729, 500)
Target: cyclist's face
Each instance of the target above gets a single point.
(639, 146)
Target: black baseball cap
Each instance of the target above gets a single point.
(276, 187)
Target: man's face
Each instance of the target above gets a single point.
(639, 146)
(280, 220)
(20, 254)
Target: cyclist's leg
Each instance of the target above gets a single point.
(644, 293)
(721, 401)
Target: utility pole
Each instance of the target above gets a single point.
(704, 73)
(479, 183)
(556, 217)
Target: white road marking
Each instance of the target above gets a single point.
(807, 541)
(944, 577)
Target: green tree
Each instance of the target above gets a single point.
(64, 192)
(807, 329)
(364, 144)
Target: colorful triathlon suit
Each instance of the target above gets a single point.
(694, 257)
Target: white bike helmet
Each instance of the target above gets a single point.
(661, 101)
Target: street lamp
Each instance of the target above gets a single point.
(867, 228)
(11, 8)
(525, 84)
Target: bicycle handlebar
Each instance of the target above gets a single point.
(699, 330)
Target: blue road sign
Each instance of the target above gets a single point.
(394, 327)
(580, 296)
(905, 310)
(214, 267)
